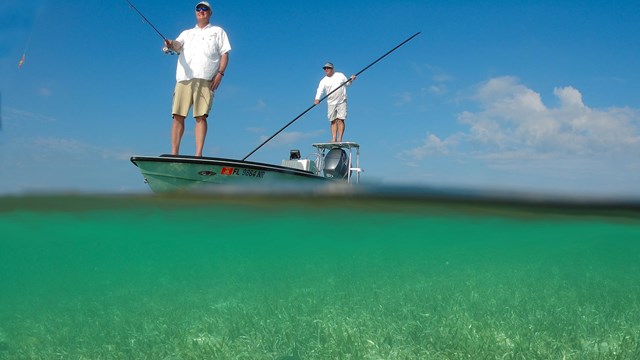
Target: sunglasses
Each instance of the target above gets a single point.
(327, 68)
(202, 8)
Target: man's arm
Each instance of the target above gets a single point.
(319, 92)
(174, 45)
(224, 60)
(222, 67)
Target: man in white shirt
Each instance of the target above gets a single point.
(336, 101)
(204, 55)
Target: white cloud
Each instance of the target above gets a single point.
(50, 148)
(432, 145)
(569, 97)
(516, 134)
(437, 89)
(45, 92)
(513, 117)
(64, 164)
(437, 79)
(20, 116)
(60, 145)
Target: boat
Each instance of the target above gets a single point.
(330, 163)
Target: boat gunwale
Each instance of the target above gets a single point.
(189, 159)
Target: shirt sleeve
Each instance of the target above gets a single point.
(225, 45)
(182, 36)
(344, 80)
(320, 89)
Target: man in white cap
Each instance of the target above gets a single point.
(204, 55)
(336, 101)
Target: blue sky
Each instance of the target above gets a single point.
(511, 95)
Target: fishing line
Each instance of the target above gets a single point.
(38, 13)
(24, 53)
(165, 49)
(327, 95)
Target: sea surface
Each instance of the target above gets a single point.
(343, 276)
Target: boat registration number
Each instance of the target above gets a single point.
(243, 172)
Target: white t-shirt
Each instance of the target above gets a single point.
(328, 84)
(201, 51)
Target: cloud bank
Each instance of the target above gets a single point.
(514, 119)
(514, 130)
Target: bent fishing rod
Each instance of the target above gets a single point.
(327, 95)
(165, 49)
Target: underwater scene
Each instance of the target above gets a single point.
(317, 277)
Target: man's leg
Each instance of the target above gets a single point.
(177, 129)
(340, 126)
(334, 130)
(201, 133)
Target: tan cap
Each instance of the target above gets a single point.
(328, 65)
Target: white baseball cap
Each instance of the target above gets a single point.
(205, 3)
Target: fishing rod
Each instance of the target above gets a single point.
(327, 95)
(165, 49)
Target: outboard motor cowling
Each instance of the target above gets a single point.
(336, 164)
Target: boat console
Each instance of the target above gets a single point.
(335, 160)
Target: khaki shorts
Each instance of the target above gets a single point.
(338, 111)
(194, 92)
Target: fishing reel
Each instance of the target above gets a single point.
(168, 51)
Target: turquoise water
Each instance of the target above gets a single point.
(266, 277)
